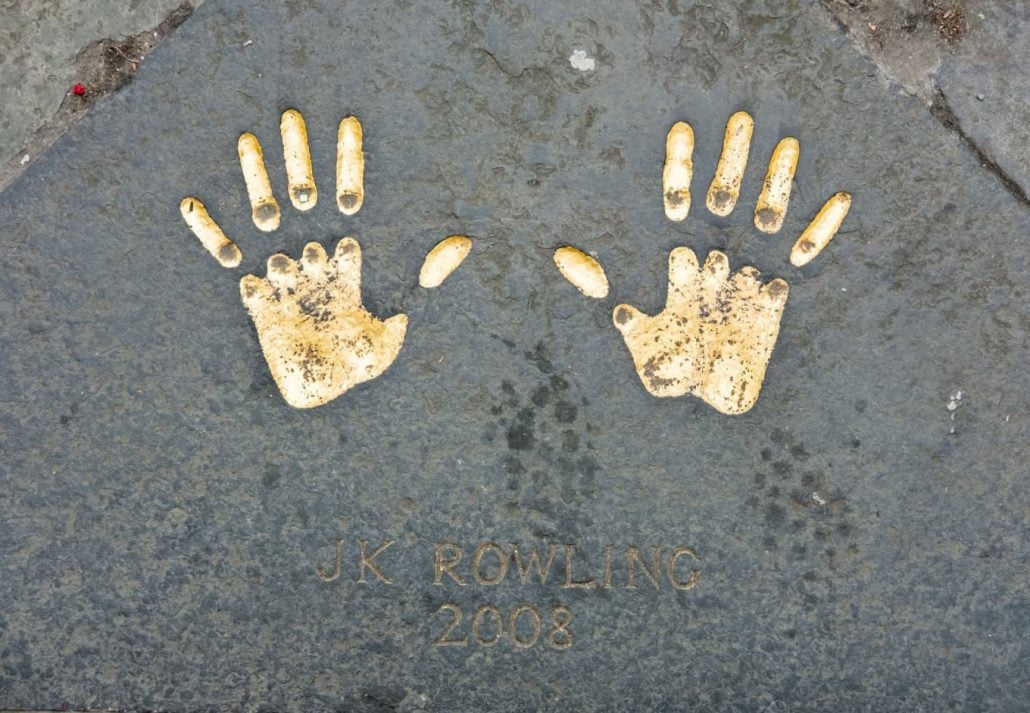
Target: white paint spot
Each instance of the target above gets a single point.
(579, 59)
(954, 403)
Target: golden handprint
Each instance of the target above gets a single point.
(316, 335)
(716, 334)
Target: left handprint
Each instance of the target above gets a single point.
(317, 337)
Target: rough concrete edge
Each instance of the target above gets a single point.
(73, 108)
(929, 92)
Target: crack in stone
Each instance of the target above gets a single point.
(942, 111)
(105, 67)
(922, 84)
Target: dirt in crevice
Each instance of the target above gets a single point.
(947, 18)
(108, 65)
(101, 69)
(941, 110)
(905, 38)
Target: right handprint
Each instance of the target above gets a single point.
(716, 334)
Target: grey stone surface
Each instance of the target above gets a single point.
(987, 85)
(38, 45)
(163, 512)
(967, 60)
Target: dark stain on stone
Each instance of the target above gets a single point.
(520, 432)
(569, 441)
(273, 474)
(775, 514)
(67, 418)
(541, 396)
(565, 412)
(766, 216)
(512, 465)
(547, 467)
(802, 505)
(541, 358)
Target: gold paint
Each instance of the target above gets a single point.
(715, 336)
(634, 558)
(477, 625)
(335, 574)
(444, 638)
(297, 154)
(350, 166)
(695, 576)
(561, 636)
(736, 144)
(582, 271)
(209, 233)
(264, 209)
(821, 230)
(443, 259)
(513, 625)
(771, 207)
(679, 169)
(317, 338)
(446, 565)
(570, 581)
(367, 561)
(525, 567)
(477, 563)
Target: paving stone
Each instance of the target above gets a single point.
(171, 526)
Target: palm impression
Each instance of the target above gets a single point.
(716, 334)
(316, 335)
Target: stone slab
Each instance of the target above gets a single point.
(166, 516)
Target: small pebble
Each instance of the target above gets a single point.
(979, 97)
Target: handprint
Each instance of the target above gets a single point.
(714, 338)
(317, 337)
(716, 334)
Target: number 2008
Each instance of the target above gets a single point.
(523, 625)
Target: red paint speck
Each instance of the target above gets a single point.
(79, 90)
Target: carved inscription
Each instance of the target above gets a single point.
(523, 625)
(366, 563)
(628, 566)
